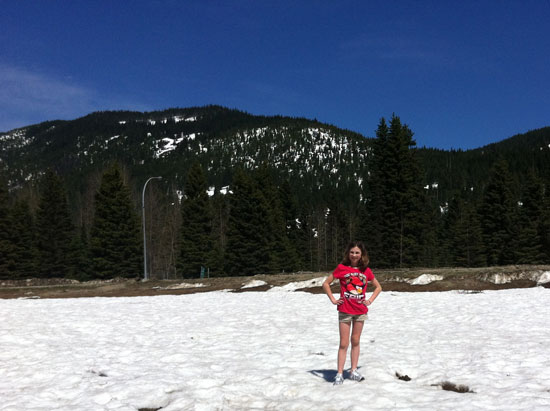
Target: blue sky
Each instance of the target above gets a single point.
(461, 74)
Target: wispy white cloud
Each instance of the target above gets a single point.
(30, 97)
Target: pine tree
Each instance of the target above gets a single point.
(464, 234)
(290, 211)
(6, 234)
(220, 217)
(338, 232)
(80, 256)
(366, 232)
(248, 247)
(372, 228)
(196, 248)
(450, 215)
(54, 229)
(498, 212)
(23, 240)
(395, 198)
(282, 256)
(545, 226)
(430, 223)
(305, 240)
(529, 244)
(115, 245)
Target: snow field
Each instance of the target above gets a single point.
(274, 350)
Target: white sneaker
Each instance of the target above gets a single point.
(338, 380)
(355, 376)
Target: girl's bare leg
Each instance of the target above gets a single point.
(355, 340)
(344, 343)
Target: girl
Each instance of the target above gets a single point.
(354, 275)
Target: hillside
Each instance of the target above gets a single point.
(165, 143)
(305, 152)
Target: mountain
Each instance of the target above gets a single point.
(448, 172)
(317, 157)
(308, 153)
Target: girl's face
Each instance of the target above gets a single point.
(355, 256)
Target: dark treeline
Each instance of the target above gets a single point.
(262, 224)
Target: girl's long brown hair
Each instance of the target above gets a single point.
(363, 262)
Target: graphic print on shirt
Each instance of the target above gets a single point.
(355, 283)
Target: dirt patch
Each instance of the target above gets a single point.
(468, 279)
(450, 386)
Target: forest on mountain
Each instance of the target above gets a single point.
(244, 195)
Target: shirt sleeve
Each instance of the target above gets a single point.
(338, 272)
(369, 274)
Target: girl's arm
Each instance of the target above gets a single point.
(328, 291)
(377, 290)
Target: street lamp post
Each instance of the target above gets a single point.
(145, 276)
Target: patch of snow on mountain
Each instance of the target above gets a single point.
(261, 131)
(225, 190)
(170, 144)
(17, 139)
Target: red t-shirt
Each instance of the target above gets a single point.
(353, 285)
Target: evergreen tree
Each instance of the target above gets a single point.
(545, 226)
(464, 234)
(196, 248)
(248, 246)
(220, 206)
(472, 236)
(450, 215)
(430, 223)
(372, 228)
(282, 256)
(23, 240)
(115, 244)
(395, 198)
(498, 212)
(80, 256)
(305, 240)
(529, 245)
(54, 229)
(6, 234)
(338, 232)
(367, 233)
(290, 211)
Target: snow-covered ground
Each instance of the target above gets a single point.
(274, 350)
